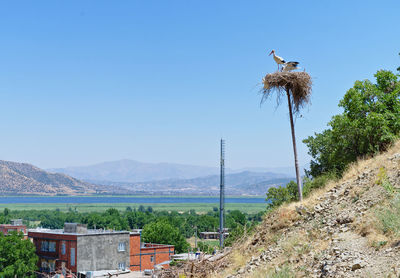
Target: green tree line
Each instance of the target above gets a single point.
(182, 223)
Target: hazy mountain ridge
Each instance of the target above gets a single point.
(24, 178)
(131, 171)
(243, 183)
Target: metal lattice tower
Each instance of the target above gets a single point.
(222, 196)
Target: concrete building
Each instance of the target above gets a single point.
(78, 249)
(212, 235)
(15, 226)
(82, 250)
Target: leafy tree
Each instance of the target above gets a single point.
(235, 217)
(398, 67)
(369, 124)
(282, 194)
(17, 256)
(164, 233)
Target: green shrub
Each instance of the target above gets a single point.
(284, 272)
(205, 247)
(318, 182)
(382, 180)
(282, 194)
(288, 193)
(390, 217)
(369, 124)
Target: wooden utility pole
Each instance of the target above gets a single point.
(296, 162)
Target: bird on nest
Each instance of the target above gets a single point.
(286, 66)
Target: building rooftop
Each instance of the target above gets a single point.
(87, 232)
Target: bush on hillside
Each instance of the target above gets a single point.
(282, 194)
(288, 193)
(390, 217)
(369, 124)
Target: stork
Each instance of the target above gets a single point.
(278, 60)
(289, 66)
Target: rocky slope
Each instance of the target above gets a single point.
(351, 228)
(23, 178)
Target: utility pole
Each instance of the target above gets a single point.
(195, 238)
(222, 196)
(296, 161)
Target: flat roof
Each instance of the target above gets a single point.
(89, 232)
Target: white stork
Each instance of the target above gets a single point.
(289, 66)
(278, 60)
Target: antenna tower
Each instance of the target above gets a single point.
(222, 196)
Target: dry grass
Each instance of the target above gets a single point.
(284, 218)
(298, 84)
(369, 227)
(273, 231)
(237, 259)
(375, 162)
(281, 272)
(295, 244)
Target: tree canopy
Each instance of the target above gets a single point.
(164, 233)
(369, 124)
(17, 256)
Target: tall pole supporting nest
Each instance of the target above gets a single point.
(296, 162)
(297, 87)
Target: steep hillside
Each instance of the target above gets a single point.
(23, 178)
(351, 228)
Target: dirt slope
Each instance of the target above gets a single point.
(347, 229)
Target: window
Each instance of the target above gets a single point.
(44, 264)
(52, 246)
(151, 258)
(121, 246)
(63, 248)
(72, 256)
(121, 266)
(45, 246)
(52, 266)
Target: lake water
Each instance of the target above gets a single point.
(117, 199)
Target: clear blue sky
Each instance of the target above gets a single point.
(83, 82)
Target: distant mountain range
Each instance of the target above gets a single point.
(23, 178)
(116, 177)
(131, 171)
(243, 183)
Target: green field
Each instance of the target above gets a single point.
(181, 207)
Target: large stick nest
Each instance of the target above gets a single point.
(297, 84)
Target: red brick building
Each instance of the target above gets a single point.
(15, 226)
(55, 249)
(148, 255)
(80, 250)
